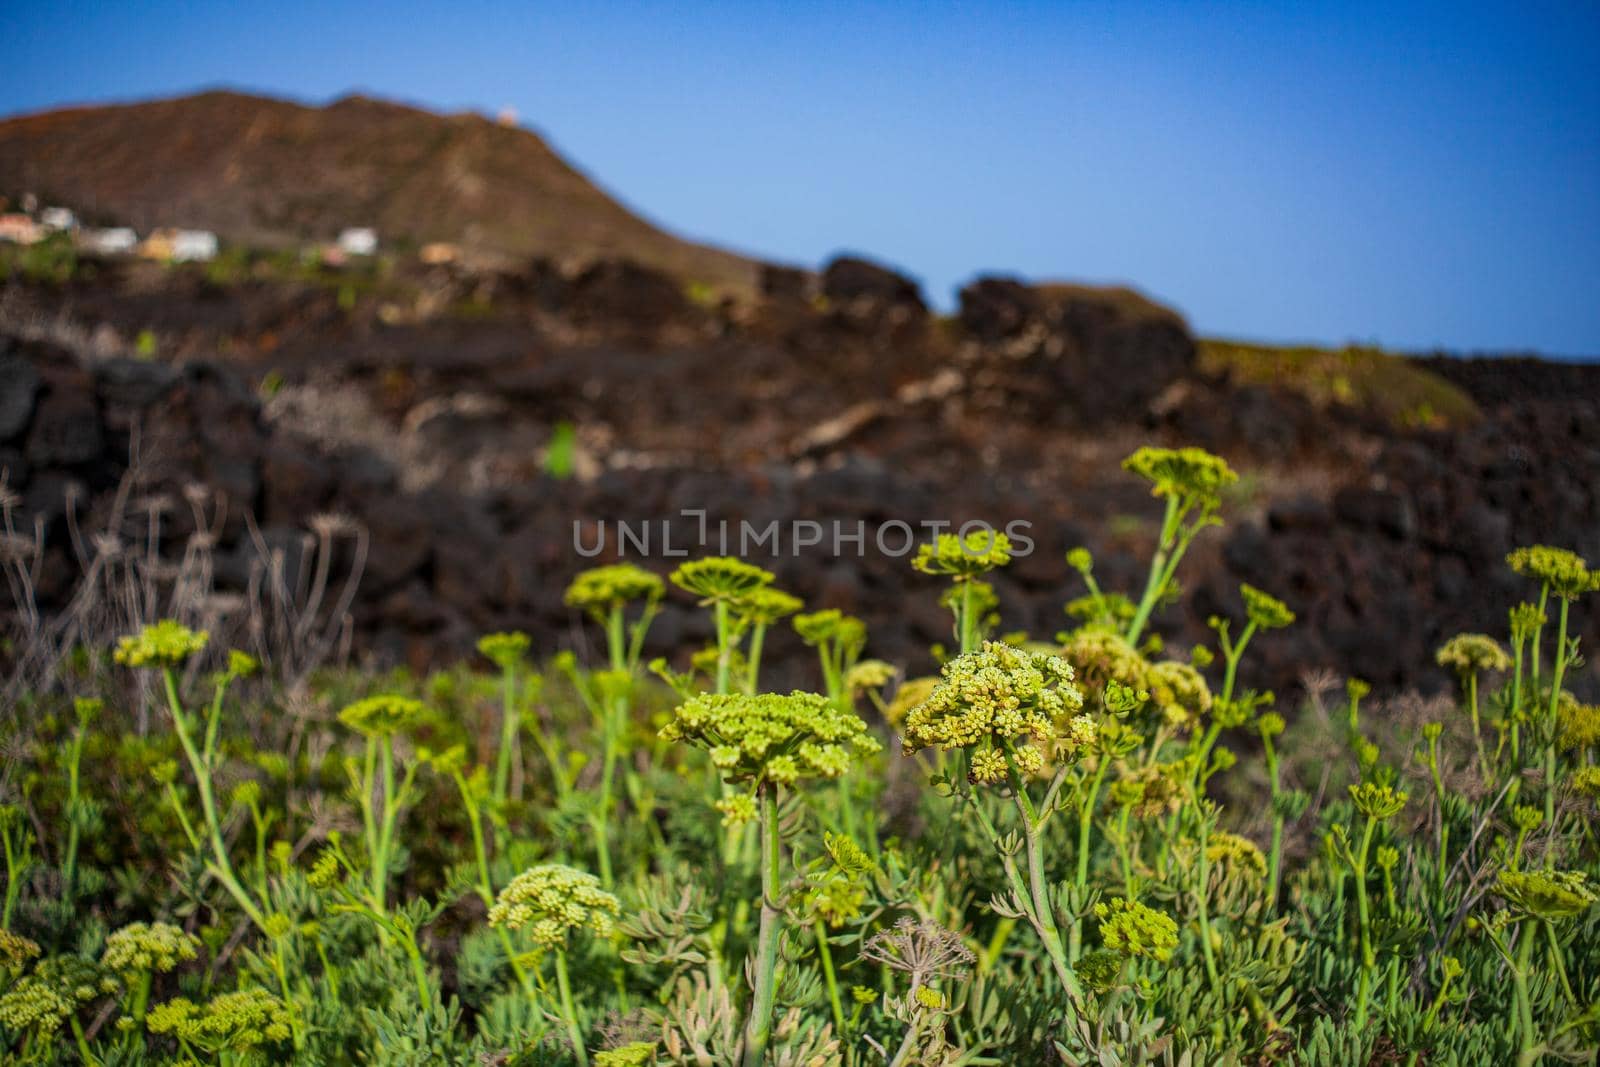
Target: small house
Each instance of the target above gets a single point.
(358, 241)
(19, 229)
(114, 241)
(58, 218)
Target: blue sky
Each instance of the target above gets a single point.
(1417, 175)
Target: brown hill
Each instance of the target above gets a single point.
(262, 170)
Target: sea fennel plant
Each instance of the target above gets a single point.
(768, 743)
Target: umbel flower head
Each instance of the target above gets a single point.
(163, 644)
(1267, 612)
(998, 700)
(1236, 853)
(53, 993)
(1179, 691)
(600, 589)
(148, 948)
(16, 951)
(1377, 801)
(1471, 653)
(964, 558)
(830, 624)
(720, 578)
(1565, 572)
(765, 605)
(379, 716)
(504, 650)
(1100, 657)
(770, 737)
(553, 900)
(230, 1022)
(1190, 475)
(1548, 895)
(1131, 928)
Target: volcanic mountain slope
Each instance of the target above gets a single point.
(261, 170)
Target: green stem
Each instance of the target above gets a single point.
(825, 954)
(508, 734)
(1158, 567)
(758, 1027)
(1528, 1054)
(222, 867)
(569, 1013)
(1368, 958)
(1085, 824)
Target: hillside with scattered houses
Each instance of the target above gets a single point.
(262, 171)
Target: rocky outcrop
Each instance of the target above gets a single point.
(1106, 352)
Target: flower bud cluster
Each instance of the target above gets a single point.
(770, 737)
(553, 900)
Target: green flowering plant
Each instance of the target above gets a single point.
(244, 1021)
(550, 903)
(382, 790)
(771, 738)
(1134, 930)
(1008, 706)
(1190, 482)
(964, 560)
(166, 643)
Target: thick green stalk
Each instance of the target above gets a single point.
(221, 867)
(1528, 1054)
(825, 954)
(758, 1027)
(508, 734)
(1368, 957)
(1085, 824)
(569, 1013)
(1202, 897)
(1158, 572)
(1550, 728)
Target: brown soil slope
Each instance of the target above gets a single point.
(258, 170)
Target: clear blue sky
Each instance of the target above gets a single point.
(1412, 174)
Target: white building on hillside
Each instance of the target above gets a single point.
(115, 241)
(58, 218)
(358, 241)
(193, 246)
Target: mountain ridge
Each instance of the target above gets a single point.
(264, 169)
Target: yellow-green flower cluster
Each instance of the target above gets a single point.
(600, 589)
(153, 948)
(1267, 612)
(57, 988)
(1179, 691)
(634, 1054)
(1100, 657)
(999, 700)
(163, 644)
(379, 716)
(241, 1021)
(1548, 895)
(964, 558)
(770, 737)
(1471, 653)
(1192, 475)
(1236, 853)
(16, 951)
(551, 901)
(1579, 725)
(830, 624)
(766, 605)
(505, 650)
(1565, 572)
(720, 578)
(737, 809)
(1377, 801)
(912, 691)
(1131, 928)
(868, 674)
